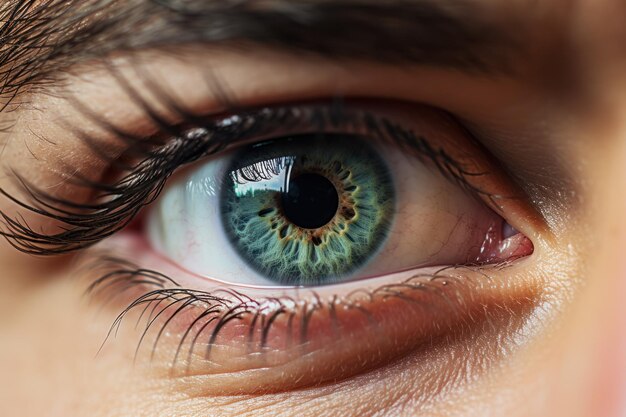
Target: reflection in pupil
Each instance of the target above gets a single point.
(311, 201)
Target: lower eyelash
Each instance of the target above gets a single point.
(162, 300)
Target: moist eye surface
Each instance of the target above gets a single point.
(307, 210)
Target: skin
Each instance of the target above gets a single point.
(559, 354)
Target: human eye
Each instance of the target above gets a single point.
(425, 228)
(322, 203)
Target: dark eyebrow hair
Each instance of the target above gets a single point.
(40, 38)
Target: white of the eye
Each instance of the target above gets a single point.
(185, 225)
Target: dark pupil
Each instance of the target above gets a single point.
(311, 202)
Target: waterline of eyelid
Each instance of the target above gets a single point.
(496, 252)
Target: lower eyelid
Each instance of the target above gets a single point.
(260, 349)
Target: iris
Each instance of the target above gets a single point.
(307, 210)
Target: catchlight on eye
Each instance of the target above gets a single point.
(307, 210)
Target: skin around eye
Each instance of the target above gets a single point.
(462, 317)
(238, 340)
(219, 339)
(260, 337)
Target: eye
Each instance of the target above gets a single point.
(319, 208)
(270, 258)
(273, 241)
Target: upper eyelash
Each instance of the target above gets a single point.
(115, 205)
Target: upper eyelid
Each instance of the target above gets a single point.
(142, 184)
(170, 121)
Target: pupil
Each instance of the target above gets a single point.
(311, 202)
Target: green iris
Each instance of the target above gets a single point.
(307, 210)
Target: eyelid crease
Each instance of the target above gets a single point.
(115, 205)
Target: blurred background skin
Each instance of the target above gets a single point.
(578, 369)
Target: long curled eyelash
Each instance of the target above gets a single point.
(162, 300)
(115, 205)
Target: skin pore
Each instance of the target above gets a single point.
(542, 336)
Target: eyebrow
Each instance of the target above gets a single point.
(41, 38)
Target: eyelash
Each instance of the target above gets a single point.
(224, 305)
(192, 139)
(195, 137)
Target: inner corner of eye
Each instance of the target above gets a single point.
(322, 209)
